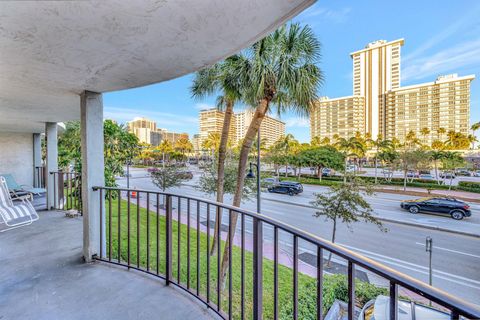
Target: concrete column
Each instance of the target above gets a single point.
(52, 161)
(37, 158)
(91, 108)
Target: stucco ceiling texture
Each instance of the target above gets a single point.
(50, 51)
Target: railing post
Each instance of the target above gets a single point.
(257, 269)
(393, 300)
(168, 260)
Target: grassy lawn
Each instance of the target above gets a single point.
(146, 239)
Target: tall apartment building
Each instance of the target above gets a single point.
(142, 128)
(147, 132)
(211, 121)
(342, 116)
(376, 69)
(271, 129)
(380, 106)
(444, 103)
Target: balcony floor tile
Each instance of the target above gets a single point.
(43, 277)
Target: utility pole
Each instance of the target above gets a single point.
(429, 249)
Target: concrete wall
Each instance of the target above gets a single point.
(16, 156)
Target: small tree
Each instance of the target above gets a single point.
(345, 203)
(322, 157)
(208, 184)
(451, 161)
(169, 176)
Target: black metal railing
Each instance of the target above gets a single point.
(39, 177)
(67, 188)
(169, 236)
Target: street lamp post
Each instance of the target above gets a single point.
(251, 175)
(129, 163)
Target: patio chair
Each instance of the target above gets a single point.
(14, 187)
(14, 216)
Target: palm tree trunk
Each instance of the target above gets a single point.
(376, 165)
(222, 154)
(436, 171)
(242, 167)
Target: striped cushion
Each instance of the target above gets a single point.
(16, 212)
(5, 199)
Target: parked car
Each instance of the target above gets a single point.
(268, 182)
(287, 187)
(443, 205)
(379, 309)
(412, 174)
(352, 168)
(447, 175)
(464, 172)
(426, 176)
(476, 173)
(327, 172)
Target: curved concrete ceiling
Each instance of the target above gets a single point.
(50, 51)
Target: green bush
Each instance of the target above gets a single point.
(469, 184)
(334, 287)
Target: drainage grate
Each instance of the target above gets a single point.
(223, 227)
(335, 267)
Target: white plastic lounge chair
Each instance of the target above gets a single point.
(16, 188)
(14, 216)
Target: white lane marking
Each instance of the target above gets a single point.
(406, 265)
(450, 250)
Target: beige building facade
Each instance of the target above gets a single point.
(341, 116)
(381, 106)
(271, 129)
(444, 103)
(211, 121)
(147, 132)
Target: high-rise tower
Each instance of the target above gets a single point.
(376, 69)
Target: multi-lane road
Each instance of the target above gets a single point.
(456, 258)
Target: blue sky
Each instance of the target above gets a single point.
(441, 37)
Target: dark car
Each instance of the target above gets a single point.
(447, 175)
(287, 187)
(453, 207)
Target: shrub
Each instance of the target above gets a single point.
(334, 287)
(469, 184)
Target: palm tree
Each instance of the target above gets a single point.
(165, 147)
(286, 143)
(349, 147)
(475, 127)
(280, 69)
(220, 77)
(425, 132)
(183, 145)
(440, 132)
(212, 142)
(380, 145)
(316, 141)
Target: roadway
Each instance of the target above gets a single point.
(456, 258)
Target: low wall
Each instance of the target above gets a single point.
(16, 156)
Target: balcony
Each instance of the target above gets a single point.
(44, 275)
(147, 256)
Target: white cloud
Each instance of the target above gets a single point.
(338, 16)
(203, 106)
(297, 122)
(163, 119)
(465, 23)
(465, 54)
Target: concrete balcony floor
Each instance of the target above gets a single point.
(43, 276)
